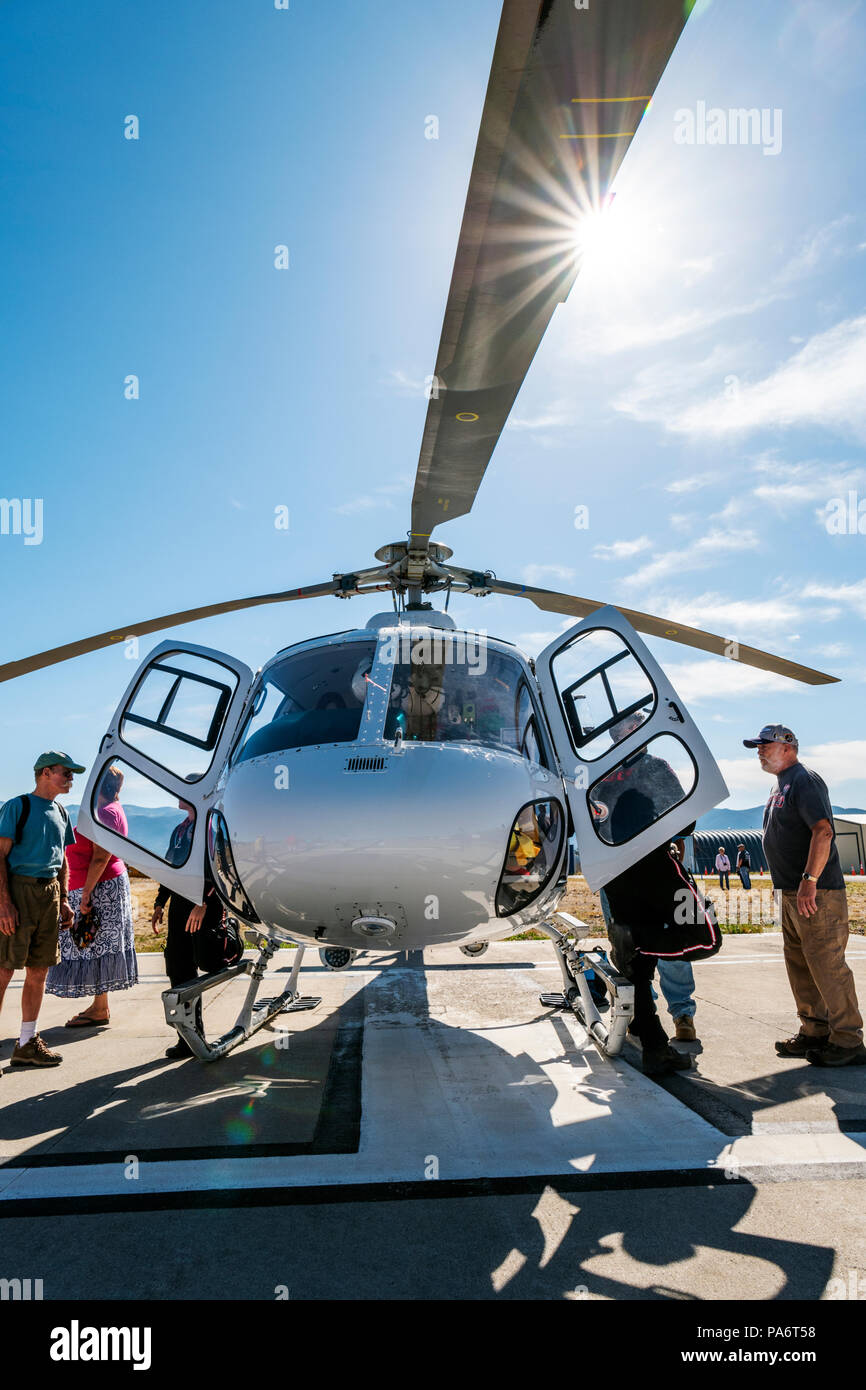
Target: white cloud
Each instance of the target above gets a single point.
(405, 384)
(838, 763)
(543, 575)
(379, 498)
(798, 484)
(760, 619)
(746, 780)
(816, 248)
(844, 761)
(820, 386)
(535, 642)
(699, 553)
(667, 388)
(555, 418)
(621, 550)
(851, 595)
(618, 335)
(735, 508)
(715, 678)
(692, 484)
(361, 504)
(696, 269)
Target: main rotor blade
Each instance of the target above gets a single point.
(665, 627)
(122, 634)
(567, 91)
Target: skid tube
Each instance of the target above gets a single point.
(181, 1001)
(574, 963)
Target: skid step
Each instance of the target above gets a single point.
(182, 1003)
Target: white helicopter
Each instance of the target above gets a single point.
(406, 784)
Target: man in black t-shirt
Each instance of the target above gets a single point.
(799, 844)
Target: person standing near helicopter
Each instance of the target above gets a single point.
(642, 905)
(192, 927)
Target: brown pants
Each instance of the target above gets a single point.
(820, 979)
(38, 930)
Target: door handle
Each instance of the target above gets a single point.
(676, 712)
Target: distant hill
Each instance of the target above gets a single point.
(752, 818)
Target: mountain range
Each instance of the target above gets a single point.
(752, 818)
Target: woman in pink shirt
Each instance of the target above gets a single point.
(98, 881)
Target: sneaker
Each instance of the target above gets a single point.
(35, 1054)
(800, 1044)
(831, 1055)
(180, 1050)
(660, 1061)
(685, 1026)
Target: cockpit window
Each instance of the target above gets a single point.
(450, 688)
(313, 697)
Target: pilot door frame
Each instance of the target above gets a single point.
(187, 879)
(601, 861)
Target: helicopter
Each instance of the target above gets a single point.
(406, 783)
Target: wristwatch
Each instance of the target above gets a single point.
(809, 878)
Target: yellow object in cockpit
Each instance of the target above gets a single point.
(522, 850)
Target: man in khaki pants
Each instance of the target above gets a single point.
(799, 844)
(34, 906)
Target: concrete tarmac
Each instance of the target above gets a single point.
(432, 1132)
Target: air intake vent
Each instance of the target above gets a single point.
(365, 764)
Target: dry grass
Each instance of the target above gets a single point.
(144, 891)
(743, 909)
(739, 910)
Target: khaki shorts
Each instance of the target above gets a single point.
(38, 931)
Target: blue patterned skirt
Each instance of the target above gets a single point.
(109, 962)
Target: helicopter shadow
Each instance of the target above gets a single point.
(565, 1229)
(545, 1235)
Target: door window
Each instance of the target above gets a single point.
(606, 694)
(641, 789)
(157, 820)
(177, 711)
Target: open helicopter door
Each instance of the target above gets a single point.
(636, 768)
(169, 738)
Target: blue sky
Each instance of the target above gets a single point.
(701, 392)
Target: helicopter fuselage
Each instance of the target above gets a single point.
(398, 836)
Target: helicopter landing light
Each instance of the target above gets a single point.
(375, 928)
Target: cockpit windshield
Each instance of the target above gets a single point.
(455, 688)
(316, 696)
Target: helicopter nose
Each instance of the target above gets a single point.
(357, 847)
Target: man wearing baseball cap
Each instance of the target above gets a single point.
(799, 844)
(34, 833)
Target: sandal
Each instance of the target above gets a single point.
(85, 1021)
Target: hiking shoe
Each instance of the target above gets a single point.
(831, 1055)
(35, 1054)
(660, 1061)
(800, 1044)
(685, 1027)
(180, 1050)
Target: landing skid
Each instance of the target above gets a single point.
(181, 1003)
(574, 963)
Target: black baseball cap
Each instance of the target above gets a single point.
(772, 733)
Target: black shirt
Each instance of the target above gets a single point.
(798, 802)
